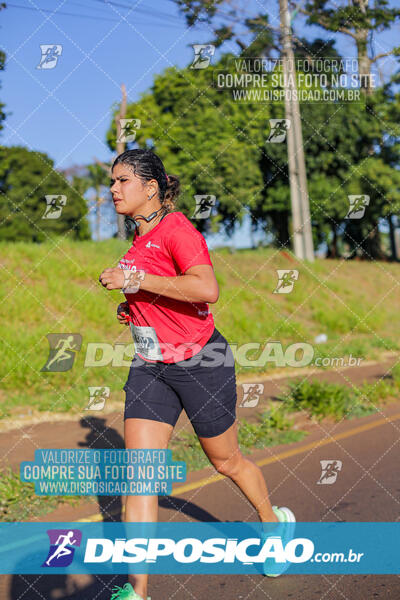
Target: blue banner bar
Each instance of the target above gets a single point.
(213, 548)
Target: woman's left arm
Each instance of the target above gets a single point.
(197, 284)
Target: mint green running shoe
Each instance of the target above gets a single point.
(285, 530)
(126, 593)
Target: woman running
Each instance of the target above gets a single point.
(168, 280)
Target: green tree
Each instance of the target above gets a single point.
(218, 146)
(338, 139)
(26, 178)
(212, 143)
(360, 20)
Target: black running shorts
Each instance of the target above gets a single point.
(204, 385)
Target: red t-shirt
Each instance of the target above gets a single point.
(164, 328)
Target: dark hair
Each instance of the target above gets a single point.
(147, 165)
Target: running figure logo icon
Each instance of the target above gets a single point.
(62, 351)
(132, 279)
(204, 204)
(62, 546)
(278, 131)
(202, 55)
(128, 129)
(98, 397)
(286, 277)
(50, 55)
(251, 394)
(357, 206)
(330, 471)
(54, 207)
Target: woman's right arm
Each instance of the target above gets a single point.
(123, 309)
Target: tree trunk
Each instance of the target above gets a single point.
(393, 245)
(333, 248)
(364, 62)
(280, 221)
(371, 245)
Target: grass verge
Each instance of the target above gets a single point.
(321, 399)
(55, 289)
(19, 502)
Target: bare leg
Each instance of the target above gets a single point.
(224, 453)
(144, 433)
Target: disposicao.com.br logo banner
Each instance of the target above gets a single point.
(213, 548)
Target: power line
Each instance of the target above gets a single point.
(83, 5)
(58, 12)
(97, 18)
(140, 10)
(174, 20)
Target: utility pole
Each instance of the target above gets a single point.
(120, 149)
(301, 220)
(121, 235)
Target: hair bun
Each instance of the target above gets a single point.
(172, 191)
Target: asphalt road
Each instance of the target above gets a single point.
(367, 489)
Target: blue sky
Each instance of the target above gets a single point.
(66, 111)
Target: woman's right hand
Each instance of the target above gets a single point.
(123, 309)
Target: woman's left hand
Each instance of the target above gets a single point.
(112, 279)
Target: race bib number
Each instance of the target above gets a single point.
(146, 342)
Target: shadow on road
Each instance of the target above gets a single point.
(87, 586)
(101, 436)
